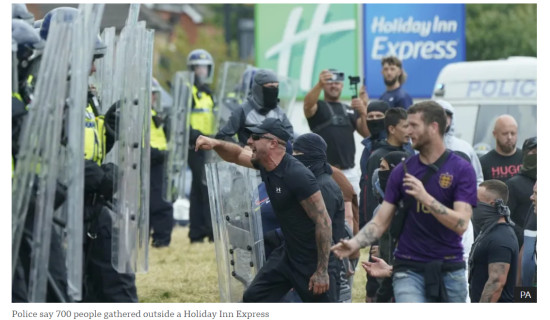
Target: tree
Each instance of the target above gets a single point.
(496, 31)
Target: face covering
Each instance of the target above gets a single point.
(270, 97)
(529, 167)
(383, 176)
(317, 165)
(485, 215)
(375, 127)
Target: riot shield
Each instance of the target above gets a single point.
(14, 78)
(175, 162)
(288, 90)
(231, 90)
(36, 171)
(85, 30)
(236, 220)
(131, 221)
(104, 75)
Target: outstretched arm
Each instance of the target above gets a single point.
(228, 151)
(310, 100)
(316, 211)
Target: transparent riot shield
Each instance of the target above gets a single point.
(36, 170)
(104, 75)
(237, 224)
(71, 170)
(175, 162)
(231, 90)
(288, 90)
(14, 78)
(131, 221)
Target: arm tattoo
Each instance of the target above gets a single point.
(367, 235)
(316, 211)
(498, 272)
(437, 207)
(460, 224)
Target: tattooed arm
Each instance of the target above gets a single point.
(498, 272)
(317, 212)
(456, 219)
(368, 234)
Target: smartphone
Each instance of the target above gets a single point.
(404, 165)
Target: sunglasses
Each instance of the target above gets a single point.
(257, 137)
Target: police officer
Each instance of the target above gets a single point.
(161, 213)
(102, 283)
(19, 11)
(202, 118)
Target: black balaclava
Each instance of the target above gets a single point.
(314, 149)
(485, 215)
(265, 99)
(393, 159)
(377, 126)
(529, 167)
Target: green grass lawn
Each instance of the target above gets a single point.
(188, 273)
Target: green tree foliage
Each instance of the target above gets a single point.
(174, 57)
(495, 31)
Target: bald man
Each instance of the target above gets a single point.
(505, 160)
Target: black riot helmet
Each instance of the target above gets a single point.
(19, 11)
(27, 47)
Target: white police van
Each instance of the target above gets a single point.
(480, 91)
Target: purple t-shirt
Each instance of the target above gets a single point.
(423, 237)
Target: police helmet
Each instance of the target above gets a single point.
(19, 11)
(29, 43)
(69, 15)
(156, 94)
(201, 57)
(100, 48)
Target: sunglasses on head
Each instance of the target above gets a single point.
(257, 137)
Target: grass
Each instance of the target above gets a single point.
(188, 273)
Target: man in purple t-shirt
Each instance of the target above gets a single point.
(429, 265)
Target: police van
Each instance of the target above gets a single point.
(480, 91)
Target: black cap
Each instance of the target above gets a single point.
(529, 144)
(273, 126)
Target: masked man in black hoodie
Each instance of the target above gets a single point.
(260, 104)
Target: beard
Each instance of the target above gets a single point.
(506, 148)
(390, 82)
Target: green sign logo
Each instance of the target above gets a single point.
(299, 41)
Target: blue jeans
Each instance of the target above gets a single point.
(408, 286)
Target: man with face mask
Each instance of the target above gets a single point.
(520, 187)
(336, 122)
(504, 161)
(494, 255)
(261, 103)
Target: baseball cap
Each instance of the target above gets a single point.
(273, 126)
(529, 144)
(378, 105)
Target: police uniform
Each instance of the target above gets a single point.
(102, 283)
(202, 120)
(161, 213)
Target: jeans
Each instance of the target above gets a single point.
(408, 286)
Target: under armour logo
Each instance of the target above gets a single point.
(278, 189)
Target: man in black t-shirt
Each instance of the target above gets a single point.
(335, 122)
(303, 262)
(504, 161)
(494, 256)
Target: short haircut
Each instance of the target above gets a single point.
(394, 61)
(393, 116)
(497, 188)
(430, 111)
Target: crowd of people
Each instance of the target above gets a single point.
(442, 224)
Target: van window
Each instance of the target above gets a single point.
(525, 115)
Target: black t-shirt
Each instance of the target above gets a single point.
(288, 184)
(520, 189)
(334, 202)
(496, 166)
(500, 245)
(337, 131)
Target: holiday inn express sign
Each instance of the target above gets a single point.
(300, 40)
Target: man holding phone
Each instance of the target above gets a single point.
(438, 193)
(335, 122)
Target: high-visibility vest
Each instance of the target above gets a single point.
(158, 139)
(93, 140)
(202, 115)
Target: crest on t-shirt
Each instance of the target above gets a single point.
(445, 180)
